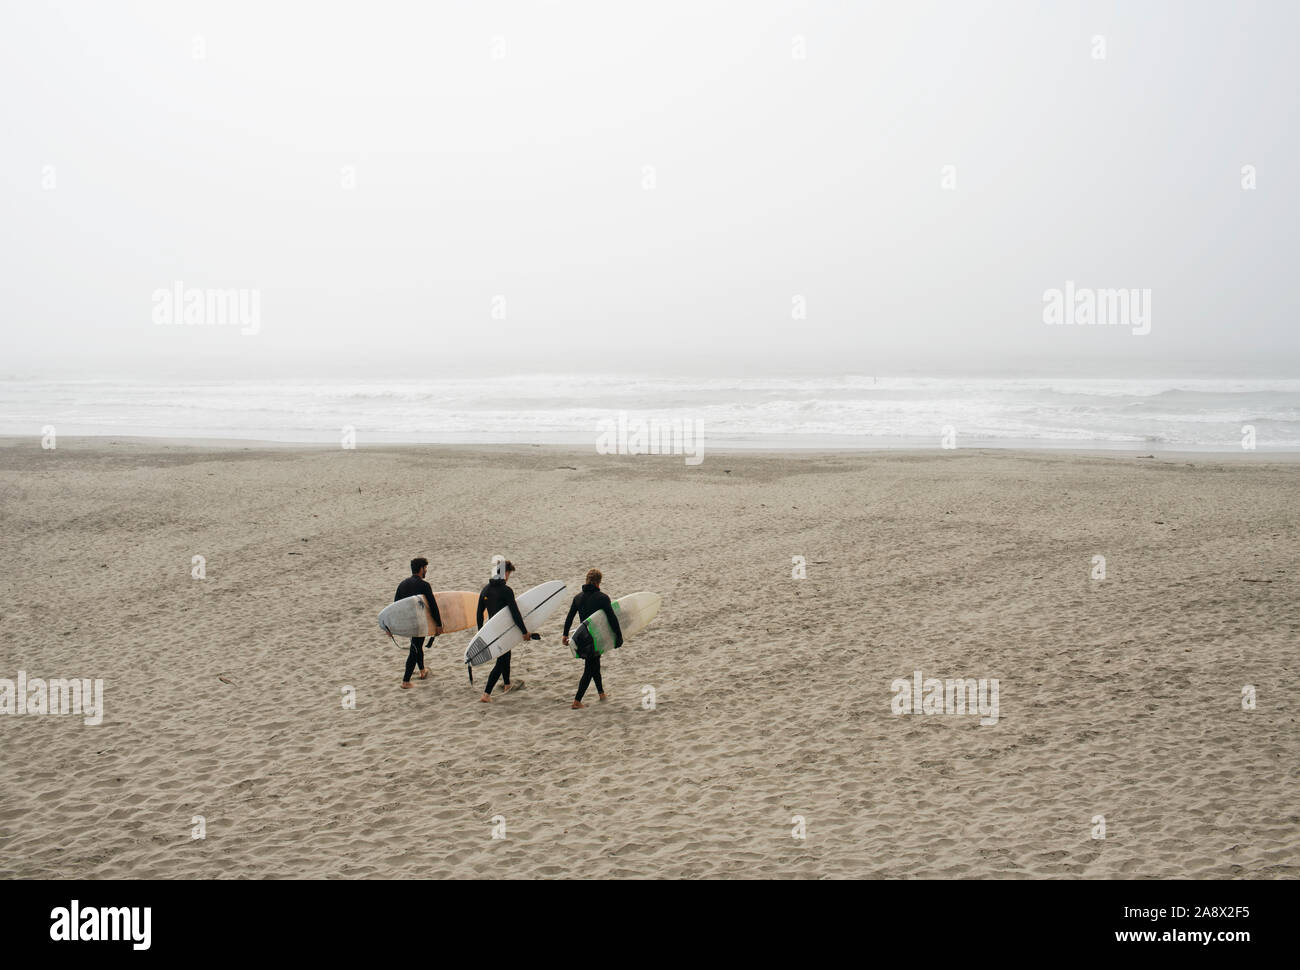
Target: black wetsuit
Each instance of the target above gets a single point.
(413, 586)
(493, 598)
(585, 604)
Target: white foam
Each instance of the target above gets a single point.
(567, 409)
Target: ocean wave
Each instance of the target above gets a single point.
(568, 408)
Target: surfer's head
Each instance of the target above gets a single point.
(418, 565)
(502, 568)
(593, 577)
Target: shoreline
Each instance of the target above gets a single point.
(1146, 453)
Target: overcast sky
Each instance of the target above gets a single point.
(648, 187)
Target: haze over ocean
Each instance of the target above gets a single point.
(474, 191)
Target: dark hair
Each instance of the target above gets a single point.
(418, 563)
(594, 577)
(510, 567)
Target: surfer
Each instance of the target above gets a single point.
(585, 604)
(495, 597)
(414, 585)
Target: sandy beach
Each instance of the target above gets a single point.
(1119, 697)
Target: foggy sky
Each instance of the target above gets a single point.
(500, 151)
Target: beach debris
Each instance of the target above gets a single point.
(225, 680)
(1244, 580)
(567, 468)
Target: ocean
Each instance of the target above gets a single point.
(745, 412)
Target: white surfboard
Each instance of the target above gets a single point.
(634, 612)
(500, 634)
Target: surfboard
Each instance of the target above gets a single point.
(499, 634)
(634, 612)
(410, 617)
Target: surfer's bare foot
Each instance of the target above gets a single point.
(517, 685)
(406, 685)
(576, 705)
(485, 699)
(423, 674)
(604, 697)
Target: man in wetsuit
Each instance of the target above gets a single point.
(585, 604)
(495, 597)
(414, 585)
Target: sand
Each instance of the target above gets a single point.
(224, 697)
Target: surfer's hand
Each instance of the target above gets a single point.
(437, 631)
(566, 641)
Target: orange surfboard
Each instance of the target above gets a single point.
(411, 618)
